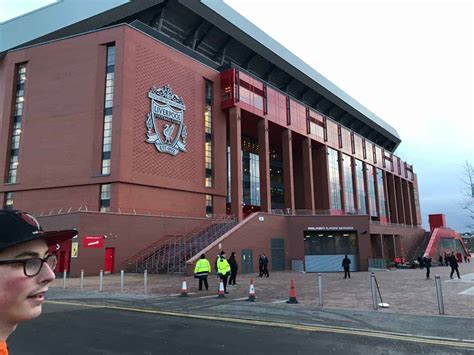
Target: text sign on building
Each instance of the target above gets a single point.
(93, 242)
(330, 228)
(165, 121)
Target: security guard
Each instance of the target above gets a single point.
(201, 270)
(223, 269)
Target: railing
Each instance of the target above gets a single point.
(397, 225)
(172, 253)
(303, 212)
(377, 263)
(122, 211)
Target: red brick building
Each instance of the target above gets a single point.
(163, 129)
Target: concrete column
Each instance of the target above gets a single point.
(235, 138)
(395, 251)
(400, 203)
(308, 174)
(382, 246)
(288, 179)
(264, 165)
(406, 201)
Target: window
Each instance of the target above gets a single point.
(208, 180)
(9, 201)
(108, 108)
(348, 185)
(371, 186)
(209, 206)
(104, 201)
(381, 191)
(16, 127)
(359, 168)
(334, 180)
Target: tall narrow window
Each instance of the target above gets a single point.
(104, 202)
(371, 186)
(209, 206)
(359, 167)
(348, 185)
(381, 191)
(8, 201)
(108, 106)
(208, 134)
(334, 180)
(16, 129)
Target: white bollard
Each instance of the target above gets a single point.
(439, 294)
(145, 280)
(101, 280)
(82, 279)
(121, 280)
(374, 291)
(320, 289)
(64, 278)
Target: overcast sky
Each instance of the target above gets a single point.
(410, 62)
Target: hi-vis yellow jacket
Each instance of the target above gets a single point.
(202, 266)
(223, 266)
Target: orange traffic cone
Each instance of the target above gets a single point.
(292, 298)
(220, 293)
(184, 289)
(251, 292)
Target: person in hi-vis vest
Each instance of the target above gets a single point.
(201, 270)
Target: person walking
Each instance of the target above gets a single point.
(26, 269)
(223, 268)
(427, 263)
(346, 262)
(265, 265)
(454, 265)
(233, 269)
(202, 270)
(440, 260)
(260, 266)
(446, 259)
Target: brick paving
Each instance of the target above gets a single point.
(407, 291)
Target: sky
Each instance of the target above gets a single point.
(408, 61)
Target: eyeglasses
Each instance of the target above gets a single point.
(33, 266)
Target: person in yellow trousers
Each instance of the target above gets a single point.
(201, 270)
(223, 269)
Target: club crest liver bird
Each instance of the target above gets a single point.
(168, 132)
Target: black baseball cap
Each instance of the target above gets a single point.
(18, 227)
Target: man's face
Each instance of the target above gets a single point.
(21, 297)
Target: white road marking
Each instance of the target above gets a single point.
(179, 294)
(279, 301)
(240, 299)
(208, 296)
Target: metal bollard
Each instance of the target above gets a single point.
(82, 279)
(374, 291)
(439, 294)
(320, 289)
(145, 280)
(121, 280)
(64, 278)
(101, 280)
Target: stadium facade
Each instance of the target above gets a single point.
(164, 129)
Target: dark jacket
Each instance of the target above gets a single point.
(346, 262)
(453, 262)
(427, 262)
(233, 263)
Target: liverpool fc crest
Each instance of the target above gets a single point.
(165, 121)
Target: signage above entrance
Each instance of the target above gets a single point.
(165, 121)
(330, 228)
(93, 242)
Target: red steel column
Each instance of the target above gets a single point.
(288, 179)
(308, 175)
(235, 138)
(264, 165)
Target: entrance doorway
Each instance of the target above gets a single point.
(109, 260)
(324, 250)
(247, 261)
(278, 254)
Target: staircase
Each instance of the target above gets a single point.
(169, 253)
(420, 250)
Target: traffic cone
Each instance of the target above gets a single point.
(184, 289)
(292, 298)
(251, 292)
(220, 293)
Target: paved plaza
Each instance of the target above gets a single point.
(407, 291)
